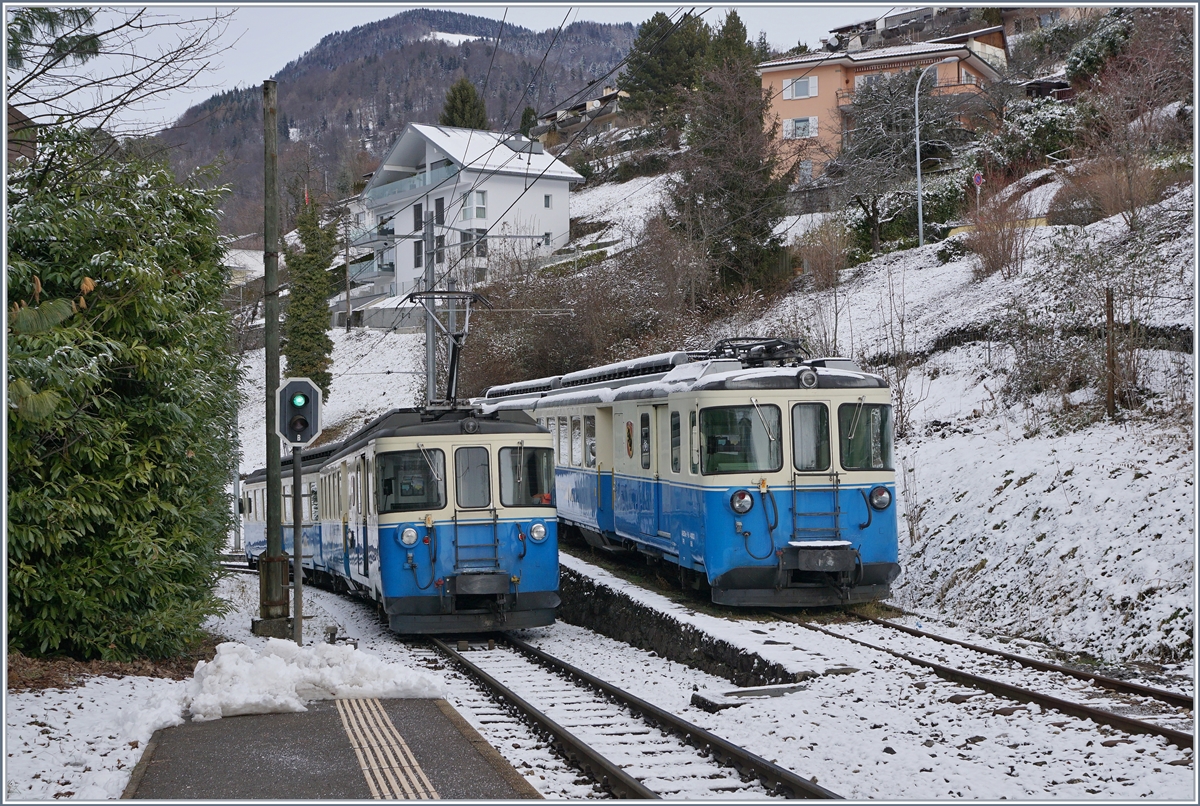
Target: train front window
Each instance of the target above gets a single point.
(526, 477)
(740, 439)
(866, 436)
(810, 436)
(471, 478)
(411, 480)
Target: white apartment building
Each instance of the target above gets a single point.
(481, 188)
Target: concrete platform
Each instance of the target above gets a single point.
(337, 750)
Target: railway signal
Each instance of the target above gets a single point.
(299, 408)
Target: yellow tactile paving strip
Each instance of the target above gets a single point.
(391, 770)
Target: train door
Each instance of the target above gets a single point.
(343, 490)
(647, 494)
(364, 490)
(815, 481)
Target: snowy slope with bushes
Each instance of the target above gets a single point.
(1026, 513)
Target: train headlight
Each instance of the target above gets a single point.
(537, 531)
(409, 536)
(880, 498)
(741, 501)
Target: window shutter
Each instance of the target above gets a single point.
(812, 86)
(789, 129)
(787, 89)
(812, 126)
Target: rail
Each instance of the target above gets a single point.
(1100, 717)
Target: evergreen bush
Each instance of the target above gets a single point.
(122, 403)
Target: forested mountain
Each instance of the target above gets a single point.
(343, 102)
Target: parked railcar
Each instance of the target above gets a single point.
(761, 474)
(444, 517)
(254, 506)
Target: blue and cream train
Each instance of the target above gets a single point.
(444, 517)
(764, 476)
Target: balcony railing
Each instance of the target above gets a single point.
(402, 186)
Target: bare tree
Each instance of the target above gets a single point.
(878, 149)
(1138, 103)
(104, 68)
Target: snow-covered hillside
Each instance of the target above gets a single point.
(1018, 522)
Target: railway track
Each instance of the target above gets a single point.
(628, 746)
(1128, 707)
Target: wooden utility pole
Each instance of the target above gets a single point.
(273, 604)
(1110, 396)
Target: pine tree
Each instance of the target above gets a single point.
(664, 65)
(464, 108)
(307, 346)
(731, 44)
(728, 194)
(528, 120)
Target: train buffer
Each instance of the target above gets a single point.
(399, 749)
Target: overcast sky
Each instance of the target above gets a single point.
(269, 36)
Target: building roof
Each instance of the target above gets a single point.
(471, 149)
(891, 53)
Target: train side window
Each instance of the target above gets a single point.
(411, 480)
(576, 442)
(564, 444)
(526, 477)
(866, 436)
(810, 436)
(472, 478)
(675, 442)
(693, 444)
(740, 439)
(644, 424)
(287, 505)
(589, 441)
(314, 509)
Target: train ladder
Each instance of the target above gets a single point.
(813, 528)
(473, 549)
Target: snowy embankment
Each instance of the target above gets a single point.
(1027, 525)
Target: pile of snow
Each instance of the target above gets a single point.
(282, 676)
(82, 743)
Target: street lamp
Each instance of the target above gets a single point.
(917, 121)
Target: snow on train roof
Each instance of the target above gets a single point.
(710, 374)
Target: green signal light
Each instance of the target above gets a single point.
(299, 399)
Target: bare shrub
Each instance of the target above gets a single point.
(824, 252)
(555, 319)
(1001, 237)
(900, 358)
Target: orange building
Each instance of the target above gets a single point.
(812, 93)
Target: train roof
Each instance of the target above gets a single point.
(413, 422)
(660, 375)
(438, 422)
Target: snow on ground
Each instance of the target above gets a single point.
(879, 729)
(82, 743)
(625, 205)
(453, 39)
